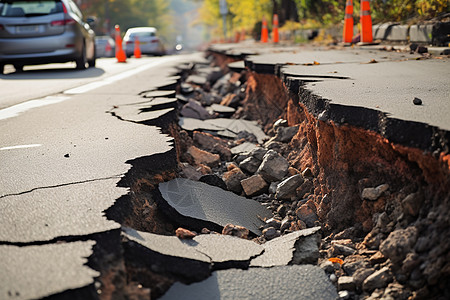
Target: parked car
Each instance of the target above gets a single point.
(44, 31)
(105, 46)
(150, 42)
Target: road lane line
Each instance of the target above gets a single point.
(94, 85)
(15, 110)
(20, 147)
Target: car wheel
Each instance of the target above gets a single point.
(81, 61)
(92, 61)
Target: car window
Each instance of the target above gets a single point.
(142, 34)
(30, 8)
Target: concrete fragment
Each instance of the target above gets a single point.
(195, 110)
(226, 250)
(346, 283)
(250, 164)
(299, 247)
(287, 188)
(273, 167)
(374, 193)
(310, 283)
(243, 148)
(379, 279)
(201, 201)
(307, 215)
(233, 180)
(34, 272)
(165, 255)
(421, 33)
(238, 125)
(203, 157)
(254, 185)
(191, 124)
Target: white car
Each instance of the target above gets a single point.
(148, 38)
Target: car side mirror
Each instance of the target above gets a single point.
(91, 21)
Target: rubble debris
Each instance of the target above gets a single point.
(201, 201)
(236, 230)
(273, 167)
(259, 283)
(184, 234)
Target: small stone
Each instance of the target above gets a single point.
(327, 266)
(346, 283)
(270, 233)
(417, 101)
(67, 155)
(374, 193)
(258, 153)
(250, 164)
(333, 278)
(306, 187)
(233, 179)
(184, 234)
(254, 185)
(203, 157)
(399, 243)
(307, 215)
(344, 295)
(285, 134)
(379, 279)
(287, 188)
(236, 230)
(279, 123)
(338, 249)
(281, 210)
(272, 222)
(273, 167)
(360, 275)
(285, 224)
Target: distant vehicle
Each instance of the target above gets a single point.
(105, 46)
(149, 41)
(36, 32)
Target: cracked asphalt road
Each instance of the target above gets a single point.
(61, 164)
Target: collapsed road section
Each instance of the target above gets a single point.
(272, 184)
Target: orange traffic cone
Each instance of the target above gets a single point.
(137, 49)
(275, 34)
(243, 35)
(120, 54)
(348, 22)
(264, 31)
(366, 22)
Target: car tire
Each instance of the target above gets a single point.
(92, 61)
(82, 60)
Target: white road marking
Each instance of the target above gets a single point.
(20, 147)
(91, 86)
(15, 110)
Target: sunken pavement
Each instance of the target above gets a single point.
(282, 172)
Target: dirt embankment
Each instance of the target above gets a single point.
(390, 200)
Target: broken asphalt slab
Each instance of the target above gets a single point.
(190, 258)
(49, 214)
(298, 247)
(304, 282)
(200, 201)
(38, 271)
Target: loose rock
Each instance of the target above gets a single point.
(287, 188)
(274, 167)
